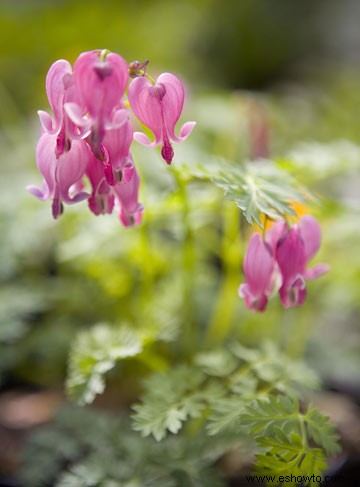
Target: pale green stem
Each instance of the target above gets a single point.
(103, 54)
(295, 331)
(220, 321)
(188, 268)
(303, 431)
(150, 78)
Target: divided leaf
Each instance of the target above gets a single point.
(259, 188)
(95, 352)
(172, 398)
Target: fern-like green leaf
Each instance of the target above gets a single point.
(321, 430)
(283, 433)
(172, 398)
(258, 188)
(95, 352)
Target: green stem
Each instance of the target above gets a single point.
(150, 78)
(303, 431)
(221, 318)
(188, 268)
(103, 54)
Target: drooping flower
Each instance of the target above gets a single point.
(101, 200)
(290, 256)
(259, 268)
(60, 90)
(61, 174)
(127, 202)
(118, 163)
(100, 81)
(159, 106)
(294, 249)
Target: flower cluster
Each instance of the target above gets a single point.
(90, 133)
(281, 256)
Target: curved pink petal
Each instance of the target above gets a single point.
(255, 303)
(129, 208)
(47, 123)
(41, 194)
(70, 169)
(293, 293)
(146, 106)
(172, 102)
(291, 259)
(100, 83)
(316, 271)
(275, 234)
(57, 81)
(258, 265)
(119, 118)
(47, 162)
(117, 143)
(128, 172)
(310, 232)
(185, 131)
(143, 139)
(77, 115)
(290, 255)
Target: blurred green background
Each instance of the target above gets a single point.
(296, 62)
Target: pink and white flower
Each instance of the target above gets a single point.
(60, 90)
(259, 266)
(62, 174)
(293, 253)
(100, 81)
(159, 106)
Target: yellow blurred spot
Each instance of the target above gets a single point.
(300, 209)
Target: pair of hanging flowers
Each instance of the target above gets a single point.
(279, 259)
(90, 133)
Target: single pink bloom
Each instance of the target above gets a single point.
(100, 83)
(290, 256)
(293, 253)
(61, 175)
(159, 107)
(259, 267)
(60, 90)
(126, 200)
(118, 163)
(101, 200)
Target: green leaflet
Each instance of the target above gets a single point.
(258, 187)
(172, 398)
(94, 353)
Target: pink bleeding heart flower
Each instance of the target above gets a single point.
(61, 175)
(101, 200)
(60, 90)
(118, 163)
(100, 81)
(293, 253)
(159, 106)
(259, 266)
(290, 256)
(126, 201)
